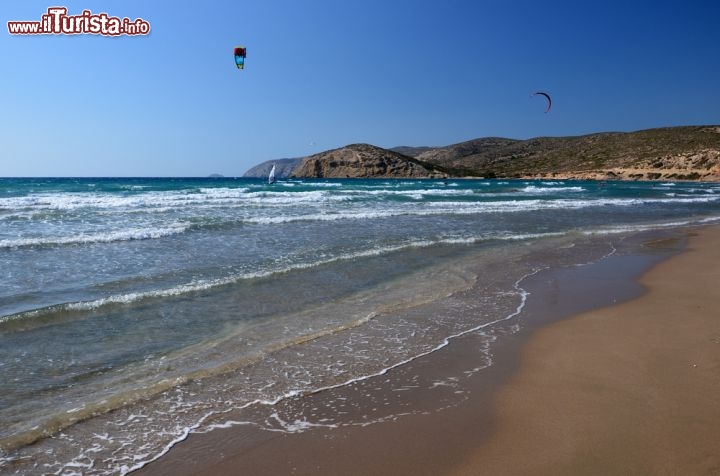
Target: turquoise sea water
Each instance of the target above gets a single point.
(134, 311)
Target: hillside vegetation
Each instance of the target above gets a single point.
(667, 153)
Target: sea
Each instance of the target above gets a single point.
(137, 311)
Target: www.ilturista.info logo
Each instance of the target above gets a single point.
(57, 22)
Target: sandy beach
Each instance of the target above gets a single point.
(630, 388)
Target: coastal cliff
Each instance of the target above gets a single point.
(364, 161)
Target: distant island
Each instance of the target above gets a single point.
(671, 153)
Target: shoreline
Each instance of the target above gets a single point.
(626, 389)
(435, 439)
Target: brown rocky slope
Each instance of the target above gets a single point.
(672, 153)
(364, 161)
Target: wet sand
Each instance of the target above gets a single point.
(629, 388)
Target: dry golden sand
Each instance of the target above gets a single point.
(629, 389)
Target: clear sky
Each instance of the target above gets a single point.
(321, 74)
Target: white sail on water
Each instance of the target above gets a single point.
(271, 177)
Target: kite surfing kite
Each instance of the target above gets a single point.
(239, 53)
(547, 96)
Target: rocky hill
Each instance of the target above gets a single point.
(365, 161)
(412, 151)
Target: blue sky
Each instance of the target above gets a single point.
(321, 74)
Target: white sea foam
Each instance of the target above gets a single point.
(535, 189)
(202, 285)
(103, 237)
(469, 208)
(298, 426)
(328, 184)
(617, 229)
(177, 201)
